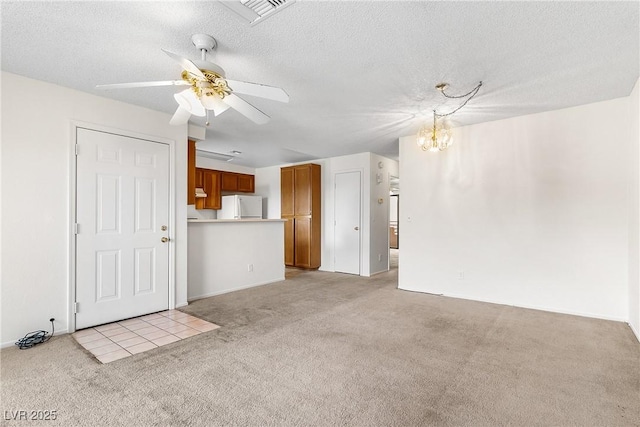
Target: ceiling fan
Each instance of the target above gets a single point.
(209, 89)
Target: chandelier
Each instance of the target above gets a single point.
(439, 137)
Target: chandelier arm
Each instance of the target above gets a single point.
(472, 93)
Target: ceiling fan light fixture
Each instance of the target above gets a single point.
(210, 90)
(211, 101)
(188, 101)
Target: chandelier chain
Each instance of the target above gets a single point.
(473, 92)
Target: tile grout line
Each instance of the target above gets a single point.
(173, 319)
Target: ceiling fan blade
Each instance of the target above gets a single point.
(180, 117)
(256, 89)
(246, 109)
(186, 64)
(144, 84)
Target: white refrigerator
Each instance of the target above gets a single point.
(241, 207)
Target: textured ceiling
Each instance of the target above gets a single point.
(359, 74)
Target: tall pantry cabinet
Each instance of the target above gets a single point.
(300, 207)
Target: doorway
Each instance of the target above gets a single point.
(394, 221)
(122, 214)
(347, 222)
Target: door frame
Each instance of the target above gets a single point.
(390, 176)
(398, 221)
(361, 254)
(75, 125)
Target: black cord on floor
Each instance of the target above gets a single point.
(34, 338)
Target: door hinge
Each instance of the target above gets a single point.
(76, 149)
(76, 228)
(75, 308)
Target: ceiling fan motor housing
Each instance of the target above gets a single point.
(209, 66)
(203, 41)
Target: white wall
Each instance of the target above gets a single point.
(267, 182)
(36, 145)
(532, 210)
(634, 211)
(379, 212)
(216, 268)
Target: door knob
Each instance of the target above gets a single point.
(356, 228)
(165, 239)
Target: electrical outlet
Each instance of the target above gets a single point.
(250, 267)
(379, 257)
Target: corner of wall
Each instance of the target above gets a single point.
(634, 211)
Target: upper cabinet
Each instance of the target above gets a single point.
(229, 181)
(239, 182)
(246, 183)
(211, 181)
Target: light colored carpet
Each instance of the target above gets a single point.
(334, 349)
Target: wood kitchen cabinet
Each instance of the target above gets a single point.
(210, 181)
(246, 183)
(229, 181)
(213, 182)
(300, 208)
(199, 183)
(239, 182)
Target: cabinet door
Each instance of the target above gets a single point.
(191, 172)
(246, 183)
(302, 190)
(288, 242)
(229, 181)
(199, 183)
(302, 231)
(286, 192)
(212, 184)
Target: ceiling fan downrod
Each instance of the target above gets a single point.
(204, 43)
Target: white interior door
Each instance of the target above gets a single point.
(122, 212)
(347, 223)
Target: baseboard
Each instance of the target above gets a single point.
(239, 288)
(12, 343)
(635, 332)
(184, 304)
(529, 307)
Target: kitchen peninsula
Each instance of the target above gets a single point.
(229, 255)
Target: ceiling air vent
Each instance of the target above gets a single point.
(256, 11)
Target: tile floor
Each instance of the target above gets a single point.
(122, 339)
